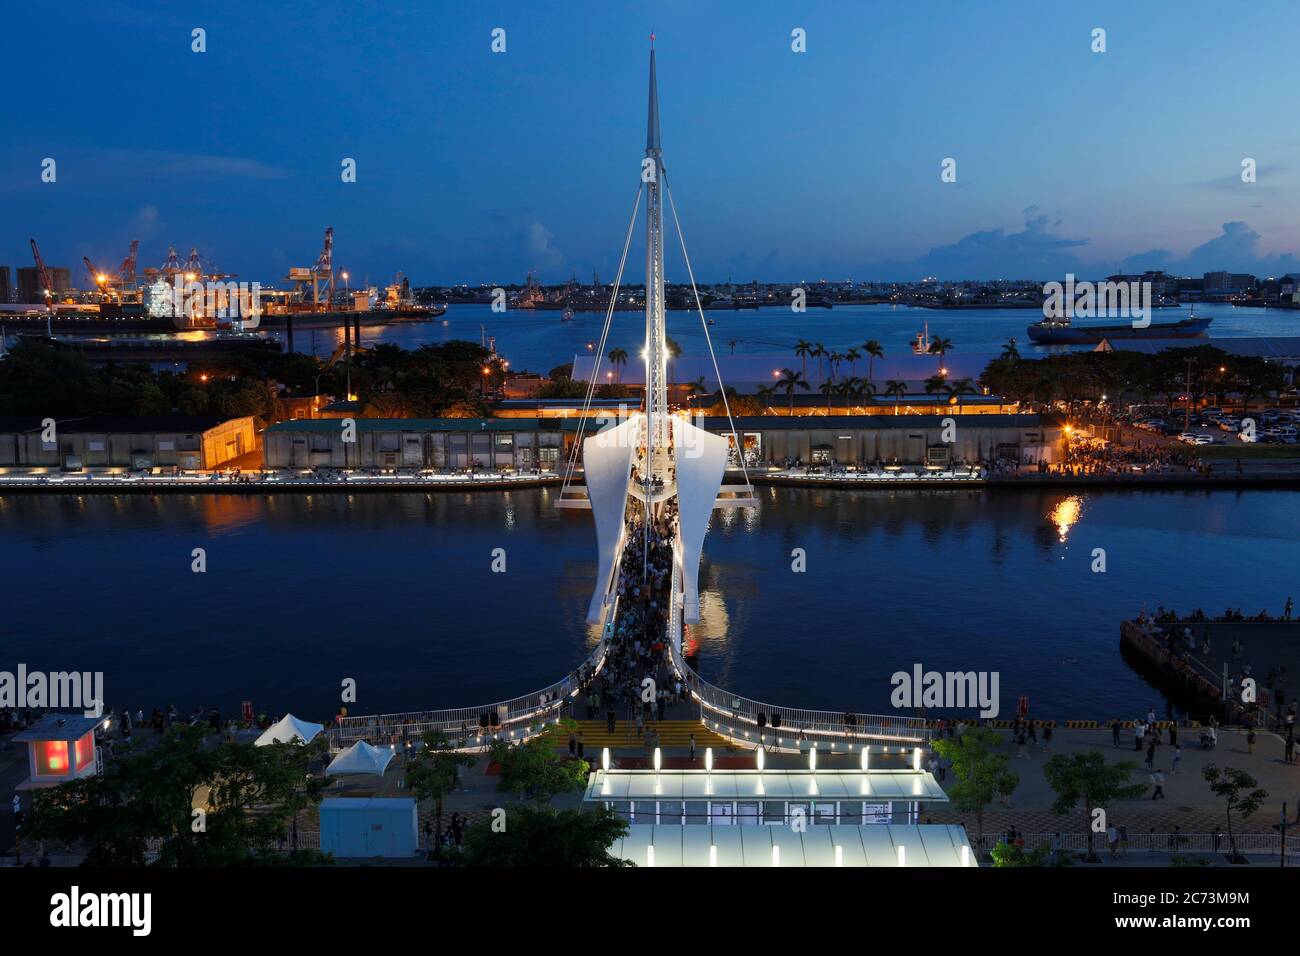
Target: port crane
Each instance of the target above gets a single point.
(114, 284)
(126, 274)
(101, 280)
(47, 285)
(320, 276)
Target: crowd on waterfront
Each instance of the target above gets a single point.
(1191, 647)
(1085, 455)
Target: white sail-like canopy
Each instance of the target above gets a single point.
(701, 462)
(361, 758)
(289, 729)
(607, 461)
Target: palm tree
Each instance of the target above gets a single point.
(818, 351)
(1009, 351)
(852, 356)
(801, 349)
(874, 351)
(897, 390)
(858, 388)
(765, 393)
(789, 381)
(835, 359)
(940, 346)
(674, 353)
(827, 388)
(618, 357)
(732, 344)
(935, 384)
(957, 389)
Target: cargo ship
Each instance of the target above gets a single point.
(1063, 332)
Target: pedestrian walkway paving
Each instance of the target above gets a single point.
(668, 733)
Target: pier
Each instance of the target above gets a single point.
(1203, 664)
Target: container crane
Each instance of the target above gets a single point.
(44, 275)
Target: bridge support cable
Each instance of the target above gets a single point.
(600, 350)
(708, 339)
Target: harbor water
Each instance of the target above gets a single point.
(398, 592)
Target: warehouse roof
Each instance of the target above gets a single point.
(1264, 346)
(115, 424)
(713, 423)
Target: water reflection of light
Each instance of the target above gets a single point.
(715, 623)
(1066, 514)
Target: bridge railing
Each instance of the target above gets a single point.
(474, 728)
(783, 728)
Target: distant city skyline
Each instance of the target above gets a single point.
(477, 167)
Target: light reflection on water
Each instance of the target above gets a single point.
(396, 591)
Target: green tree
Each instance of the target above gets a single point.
(618, 357)
(534, 770)
(803, 349)
(788, 382)
(956, 389)
(940, 346)
(1086, 781)
(534, 837)
(819, 352)
(1010, 855)
(433, 771)
(1228, 783)
(874, 350)
(851, 356)
(827, 388)
(145, 800)
(980, 769)
(936, 384)
(896, 390)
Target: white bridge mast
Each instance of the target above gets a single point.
(656, 343)
(653, 456)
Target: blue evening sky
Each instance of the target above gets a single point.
(474, 166)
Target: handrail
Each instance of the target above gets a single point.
(516, 719)
(728, 714)
(737, 717)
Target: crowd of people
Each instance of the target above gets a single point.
(638, 647)
(1191, 647)
(1165, 615)
(1085, 455)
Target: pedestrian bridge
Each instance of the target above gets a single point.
(745, 722)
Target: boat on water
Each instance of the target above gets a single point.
(921, 344)
(335, 317)
(566, 315)
(1064, 332)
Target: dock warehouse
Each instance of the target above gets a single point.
(126, 443)
(545, 443)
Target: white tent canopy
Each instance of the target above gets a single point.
(289, 730)
(361, 758)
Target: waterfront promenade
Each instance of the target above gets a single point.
(1184, 823)
(1219, 474)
